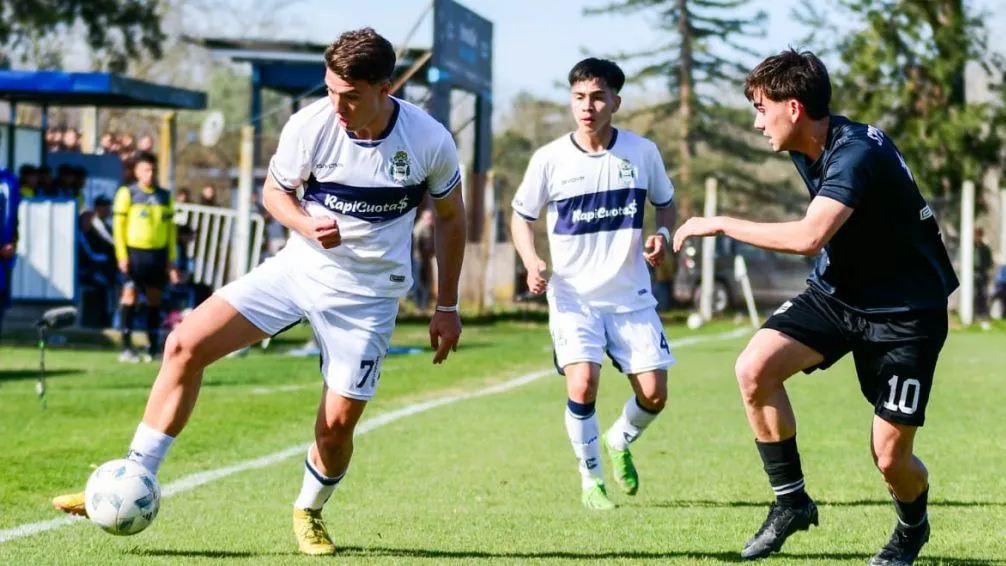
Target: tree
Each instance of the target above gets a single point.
(119, 29)
(903, 69)
(530, 124)
(704, 55)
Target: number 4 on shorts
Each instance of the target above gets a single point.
(663, 343)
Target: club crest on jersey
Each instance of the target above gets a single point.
(626, 172)
(400, 166)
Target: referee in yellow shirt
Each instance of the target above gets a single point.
(145, 248)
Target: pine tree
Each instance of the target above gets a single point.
(903, 69)
(705, 55)
(119, 29)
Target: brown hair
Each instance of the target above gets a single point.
(361, 55)
(791, 74)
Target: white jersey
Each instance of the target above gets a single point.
(370, 187)
(595, 217)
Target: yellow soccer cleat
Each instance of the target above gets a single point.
(309, 528)
(72, 503)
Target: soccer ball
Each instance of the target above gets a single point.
(695, 321)
(122, 497)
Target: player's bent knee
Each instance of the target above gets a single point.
(332, 438)
(653, 401)
(752, 378)
(180, 347)
(892, 464)
(581, 386)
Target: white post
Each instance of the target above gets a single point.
(967, 304)
(242, 228)
(741, 273)
(708, 256)
(1002, 226)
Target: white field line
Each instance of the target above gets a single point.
(201, 478)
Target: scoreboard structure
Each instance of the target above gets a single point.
(462, 59)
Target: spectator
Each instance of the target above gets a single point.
(102, 220)
(10, 198)
(145, 144)
(183, 195)
(71, 140)
(54, 139)
(105, 146)
(127, 149)
(28, 181)
(96, 270)
(78, 180)
(208, 196)
(983, 272)
(64, 182)
(45, 182)
(423, 252)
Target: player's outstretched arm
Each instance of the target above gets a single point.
(449, 239)
(805, 236)
(522, 235)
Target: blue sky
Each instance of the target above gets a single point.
(559, 34)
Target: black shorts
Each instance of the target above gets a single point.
(895, 353)
(148, 268)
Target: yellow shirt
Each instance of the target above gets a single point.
(143, 219)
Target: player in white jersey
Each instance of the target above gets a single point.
(595, 183)
(364, 160)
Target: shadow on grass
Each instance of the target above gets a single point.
(683, 503)
(21, 374)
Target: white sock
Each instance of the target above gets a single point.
(583, 435)
(317, 488)
(149, 447)
(630, 425)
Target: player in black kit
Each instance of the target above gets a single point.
(879, 290)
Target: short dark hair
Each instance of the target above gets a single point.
(361, 55)
(144, 157)
(792, 74)
(603, 70)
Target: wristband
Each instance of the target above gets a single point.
(451, 308)
(663, 231)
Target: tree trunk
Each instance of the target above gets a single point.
(685, 112)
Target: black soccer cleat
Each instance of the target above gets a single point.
(782, 521)
(904, 546)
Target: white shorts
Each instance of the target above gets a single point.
(634, 340)
(353, 331)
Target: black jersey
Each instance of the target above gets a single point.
(889, 255)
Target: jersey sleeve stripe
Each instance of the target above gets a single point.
(527, 217)
(669, 202)
(276, 178)
(455, 179)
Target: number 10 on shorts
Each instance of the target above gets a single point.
(909, 390)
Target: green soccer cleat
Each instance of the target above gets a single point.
(595, 498)
(625, 471)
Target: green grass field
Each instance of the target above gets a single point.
(490, 478)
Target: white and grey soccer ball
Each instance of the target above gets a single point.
(695, 321)
(122, 497)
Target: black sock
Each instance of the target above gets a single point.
(912, 514)
(127, 326)
(782, 464)
(153, 329)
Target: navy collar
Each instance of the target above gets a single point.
(387, 130)
(611, 144)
